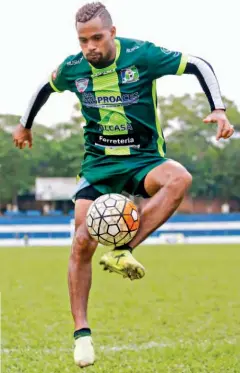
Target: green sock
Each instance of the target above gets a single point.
(82, 333)
(124, 247)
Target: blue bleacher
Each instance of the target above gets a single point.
(14, 213)
(71, 213)
(33, 213)
(55, 213)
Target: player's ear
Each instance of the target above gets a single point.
(113, 32)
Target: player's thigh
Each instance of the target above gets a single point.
(83, 198)
(82, 240)
(81, 208)
(162, 174)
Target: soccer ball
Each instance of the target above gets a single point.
(112, 219)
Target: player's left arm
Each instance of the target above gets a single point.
(162, 61)
(209, 83)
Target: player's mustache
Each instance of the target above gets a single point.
(93, 55)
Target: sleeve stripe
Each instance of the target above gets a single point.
(37, 101)
(25, 117)
(183, 64)
(53, 86)
(210, 80)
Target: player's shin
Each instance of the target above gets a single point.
(80, 277)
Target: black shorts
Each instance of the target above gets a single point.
(91, 193)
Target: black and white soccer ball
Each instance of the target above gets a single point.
(113, 219)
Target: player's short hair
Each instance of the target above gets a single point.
(93, 10)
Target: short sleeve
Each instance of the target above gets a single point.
(162, 61)
(58, 79)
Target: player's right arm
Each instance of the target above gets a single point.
(22, 134)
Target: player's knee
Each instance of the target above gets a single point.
(83, 246)
(186, 179)
(180, 181)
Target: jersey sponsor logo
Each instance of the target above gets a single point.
(81, 84)
(130, 50)
(102, 73)
(130, 75)
(89, 100)
(74, 62)
(115, 127)
(108, 122)
(115, 141)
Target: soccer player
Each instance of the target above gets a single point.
(115, 81)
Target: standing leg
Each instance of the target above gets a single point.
(79, 281)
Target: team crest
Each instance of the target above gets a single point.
(81, 84)
(130, 75)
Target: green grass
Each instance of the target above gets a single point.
(183, 317)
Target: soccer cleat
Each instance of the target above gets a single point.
(123, 263)
(84, 352)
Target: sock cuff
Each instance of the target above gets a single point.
(124, 247)
(82, 333)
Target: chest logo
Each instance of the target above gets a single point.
(130, 75)
(81, 84)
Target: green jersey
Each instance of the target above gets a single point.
(119, 102)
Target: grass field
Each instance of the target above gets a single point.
(183, 317)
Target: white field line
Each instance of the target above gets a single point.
(61, 242)
(193, 226)
(130, 347)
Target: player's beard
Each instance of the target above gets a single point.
(94, 58)
(98, 60)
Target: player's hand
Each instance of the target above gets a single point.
(225, 129)
(22, 136)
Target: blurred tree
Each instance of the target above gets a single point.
(56, 151)
(15, 173)
(192, 143)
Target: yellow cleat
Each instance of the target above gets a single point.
(123, 263)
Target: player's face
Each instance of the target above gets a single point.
(96, 41)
